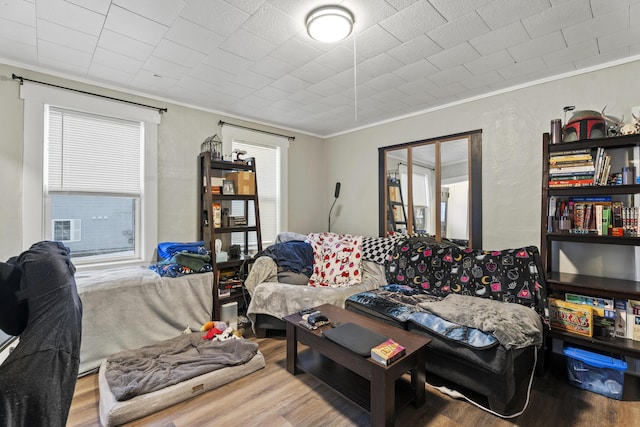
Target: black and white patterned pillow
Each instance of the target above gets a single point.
(377, 249)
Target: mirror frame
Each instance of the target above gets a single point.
(475, 183)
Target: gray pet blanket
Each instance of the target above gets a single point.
(147, 369)
(513, 325)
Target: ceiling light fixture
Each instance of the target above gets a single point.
(329, 24)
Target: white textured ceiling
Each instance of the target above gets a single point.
(253, 58)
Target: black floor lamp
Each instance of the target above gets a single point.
(336, 194)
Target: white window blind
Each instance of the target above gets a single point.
(91, 153)
(267, 168)
(94, 175)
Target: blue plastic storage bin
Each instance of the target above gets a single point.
(595, 372)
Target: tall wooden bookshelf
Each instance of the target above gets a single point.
(229, 274)
(561, 283)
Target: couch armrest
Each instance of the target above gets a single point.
(264, 269)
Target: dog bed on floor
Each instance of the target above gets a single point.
(114, 412)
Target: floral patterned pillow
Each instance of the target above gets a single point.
(336, 259)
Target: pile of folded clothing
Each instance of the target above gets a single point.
(177, 259)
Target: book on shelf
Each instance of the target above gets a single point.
(572, 169)
(621, 318)
(565, 165)
(603, 307)
(571, 183)
(387, 352)
(562, 176)
(616, 214)
(601, 176)
(633, 319)
(598, 162)
(570, 158)
(630, 221)
(599, 219)
(606, 220)
(588, 212)
(571, 152)
(579, 216)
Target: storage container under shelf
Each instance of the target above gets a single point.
(595, 372)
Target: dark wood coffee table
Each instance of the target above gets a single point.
(376, 388)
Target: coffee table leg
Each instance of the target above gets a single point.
(292, 349)
(383, 399)
(418, 379)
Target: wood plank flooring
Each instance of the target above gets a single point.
(273, 397)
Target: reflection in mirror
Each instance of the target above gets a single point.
(454, 193)
(397, 208)
(428, 187)
(424, 188)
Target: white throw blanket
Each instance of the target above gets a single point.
(513, 325)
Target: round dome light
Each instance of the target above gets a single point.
(329, 24)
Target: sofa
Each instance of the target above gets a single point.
(283, 278)
(485, 312)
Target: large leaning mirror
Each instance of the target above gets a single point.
(434, 187)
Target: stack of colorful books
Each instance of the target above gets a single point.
(572, 168)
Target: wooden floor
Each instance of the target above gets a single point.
(273, 397)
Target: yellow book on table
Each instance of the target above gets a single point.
(387, 352)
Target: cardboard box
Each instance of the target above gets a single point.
(570, 317)
(243, 182)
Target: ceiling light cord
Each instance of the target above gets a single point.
(355, 80)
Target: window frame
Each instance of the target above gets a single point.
(281, 143)
(35, 222)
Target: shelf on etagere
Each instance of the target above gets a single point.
(605, 286)
(604, 190)
(231, 197)
(623, 141)
(593, 238)
(216, 164)
(616, 345)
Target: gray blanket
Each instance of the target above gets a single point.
(513, 325)
(129, 307)
(147, 369)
